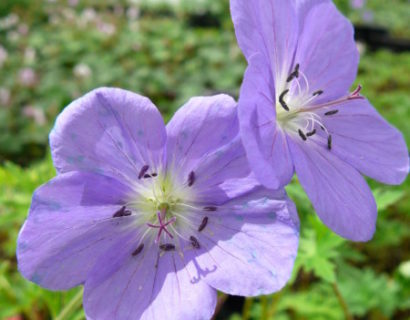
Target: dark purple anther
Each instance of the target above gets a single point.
(294, 74)
(203, 224)
(138, 250)
(331, 113)
(143, 171)
(302, 135)
(210, 208)
(282, 102)
(167, 247)
(191, 178)
(123, 212)
(146, 176)
(318, 93)
(329, 142)
(194, 242)
(311, 133)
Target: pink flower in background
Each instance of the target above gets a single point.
(36, 114)
(27, 77)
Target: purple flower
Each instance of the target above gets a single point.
(153, 219)
(296, 114)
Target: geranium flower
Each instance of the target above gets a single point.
(296, 113)
(153, 220)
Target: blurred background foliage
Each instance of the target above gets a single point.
(52, 51)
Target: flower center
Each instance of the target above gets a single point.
(163, 205)
(297, 112)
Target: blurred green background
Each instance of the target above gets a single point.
(56, 50)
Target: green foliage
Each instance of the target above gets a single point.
(169, 53)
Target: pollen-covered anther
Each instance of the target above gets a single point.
(138, 250)
(123, 212)
(203, 224)
(143, 171)
(194, 242)
(294, 74)
(302, 135)
(191, 179)
(329, 142)
(331, 113)
(282, 101)
(311, 133)
(167, 247)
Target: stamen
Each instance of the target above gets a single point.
(138, 250)
(294, 74)
(143, 171)
(146, 176)
(203, 224)
(282, 102)
(123, 212)
(191, 178)
(309, 134)
(194, 242)
(302, 135)
(329, 142)
(318, 93)
(210, 208)
(154, 174)
(331, 113)
(167, 247)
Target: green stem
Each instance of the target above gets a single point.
(71, 306)
(264, 302)
(247, 308)
(275, 300)
(342, 302)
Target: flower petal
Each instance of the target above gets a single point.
(265, 143)
(218, 168)
(201, 126)
(249, 245)
(340, 195)
(326, 51)
(68, 227)
(147, 286)
(110, 131)
(362, 138)
(267, 27)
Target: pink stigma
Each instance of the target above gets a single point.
(162, 226)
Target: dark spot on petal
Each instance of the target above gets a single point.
(318, 93)
(210, 208)
(331, 113)
(311, 133)
(203, 224)
(282, 102)
(302, 135)
(143, 171)
(167, 247)
(191, 179)
(194, 242)
(138, 250)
